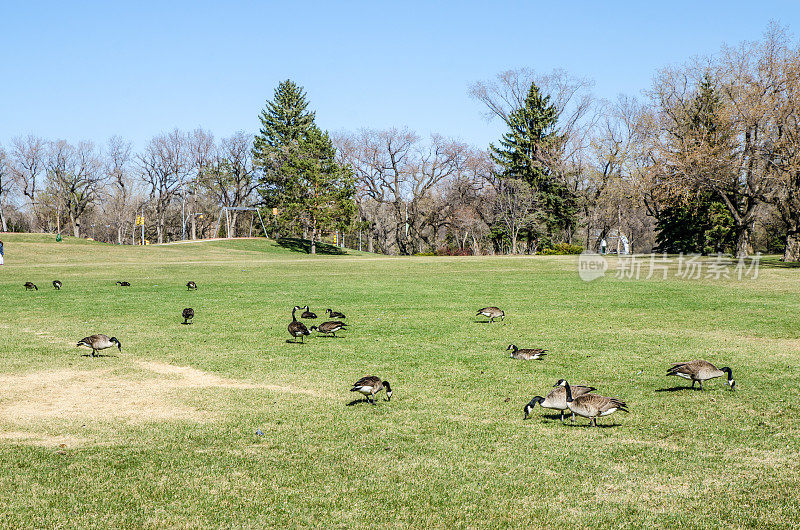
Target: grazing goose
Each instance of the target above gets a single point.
(334, 314)
(371, 385)
(191, 286)
(99, 342)
(526, 354)
(297, 328)
(30, 286)
(331, 327)
(557, 399)
(56, 285)
(308, 313)
(124, 284)
(188, 315)
(592, 406)
(700, 370)
(491, 313)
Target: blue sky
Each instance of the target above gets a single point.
(140, 68)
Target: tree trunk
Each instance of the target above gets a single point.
(3, 219)
(792, 250)
(76, 227)
(160, 230)
(743, 242)
(314, 238)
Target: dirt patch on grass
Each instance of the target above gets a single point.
(154, 394)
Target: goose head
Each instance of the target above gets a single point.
(116, 341)
(388, 388)
(513, 348)
(532, 403)
(731, 381)
(312, 328)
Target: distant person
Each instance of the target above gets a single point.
(1, 251)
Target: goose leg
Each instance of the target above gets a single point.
(701, 385)
(562, 416)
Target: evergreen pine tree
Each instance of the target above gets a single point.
(528, 152)
(699, 221)
(299, 172)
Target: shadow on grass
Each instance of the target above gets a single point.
(99, 355)
(677, 389)
(357, 401)
(296, 244)
(774, 262)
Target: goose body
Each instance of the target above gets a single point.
(56, 285)
(99, 342)
(330, 327)
(334, 314)
(526, 354)
(371, 385)
(308, 313)
(699, 371)
(491, 313)
(297, 328)
(30, 286)
(191, 286)
(124, 284)
(188, 315)
(592, 406)
(556, 399)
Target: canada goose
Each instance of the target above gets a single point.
(491, 313)
(592, 406)
(124, 284)
(57, 285)
(331, 327)
(297, 328)
(371, 385)
(526, 354)
(557, 399)
(30, 286)
(99, 342)
(308, 313)
(188, 315)
(191, 286)
(334, 314)
(700, 370)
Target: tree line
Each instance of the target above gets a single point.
(707, 161)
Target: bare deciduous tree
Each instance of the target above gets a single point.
(27, 163)
(164, 166)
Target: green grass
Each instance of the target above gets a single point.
(121, 442)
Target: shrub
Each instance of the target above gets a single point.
(454, 251)
(562, 248)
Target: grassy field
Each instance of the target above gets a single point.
(162, 434)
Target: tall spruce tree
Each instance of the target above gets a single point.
(297, 161)
(697, 220)
(284, 122)
(530, 151)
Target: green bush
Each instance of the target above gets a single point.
(562, 248)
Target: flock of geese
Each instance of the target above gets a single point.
(579, 400)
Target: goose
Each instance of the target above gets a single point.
(57, 285)
(308, 313)
(557, 399)
(124, 284)
(592, 406)
(191, 286)
(188, 315)
(334, 314)
(371, 385)
(700, 370)
(297, 328)
(491, 313)
(526, 354)
(331, 327)
(30, 286)
(99, 342)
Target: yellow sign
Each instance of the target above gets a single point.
(139, 220)
(274, 211)
(335, 239)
